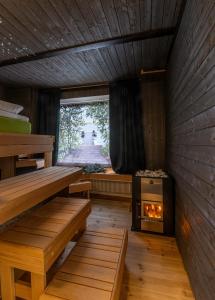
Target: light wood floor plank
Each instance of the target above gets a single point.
(154, 268)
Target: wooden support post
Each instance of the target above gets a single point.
(83, 227)
(7, 167)
(7, 282)
(38, 285)
(48, 159)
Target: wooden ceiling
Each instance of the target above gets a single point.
(31, 27)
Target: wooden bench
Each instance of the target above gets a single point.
(13, 144)
(37, 163)
(20, 193)
(35, 242)
(93, 270)
(82, 186)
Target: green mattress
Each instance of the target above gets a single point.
(14, 125)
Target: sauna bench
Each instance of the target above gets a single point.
(15, 144)
(35, 242)
(19, 193)
(94, 268)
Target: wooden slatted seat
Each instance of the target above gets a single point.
(20, 193)
(93, 270)
(36, 241)
(81, 186)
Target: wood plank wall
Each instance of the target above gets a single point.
(27, 97)
(2, 91)
(191, 142)
(85, 92)
(153, 97)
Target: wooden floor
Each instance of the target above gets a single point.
(154, 269)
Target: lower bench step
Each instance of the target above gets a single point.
(93, 270)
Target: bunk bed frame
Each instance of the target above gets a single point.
(12, 145)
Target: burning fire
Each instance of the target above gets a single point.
(153, 211)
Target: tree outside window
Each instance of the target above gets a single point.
(84, 132)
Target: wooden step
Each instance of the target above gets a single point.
(81, 186)
(93, 270)
(35, 241)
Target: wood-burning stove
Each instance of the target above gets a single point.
(152, 205)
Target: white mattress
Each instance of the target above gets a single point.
(7, 114)
(10, 107)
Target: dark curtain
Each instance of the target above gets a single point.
(126, 127)
(49, 115)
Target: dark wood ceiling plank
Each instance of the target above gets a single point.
(79, 70)
(89, 27)
(11, 46)
(29, 77)
(49, 32)
(88, 17)
(104, 70)
(42, 70)
(70, 76)
(92, 66)
(64, 37)
(77, 16)
(30, 20)
(170, 13)
(146, 15)
(116, 61)
(108, 62)
(122, 57)
(8, 47)
(157, 13)
(99, 64)
(57, 67)
(20, 26)
(133, 7)
(73, 67)
(92, 46)
(110, 13)
(100, 18)
(34, 18)
(122, 16)
(126, 25)
(70, 26)
(134, 15)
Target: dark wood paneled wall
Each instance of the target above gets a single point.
(85, 92)
(27, 97)
(153, 97)
(2, 91)
(191, 143)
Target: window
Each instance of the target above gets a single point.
(84, 133)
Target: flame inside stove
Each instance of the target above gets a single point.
(153, 211)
